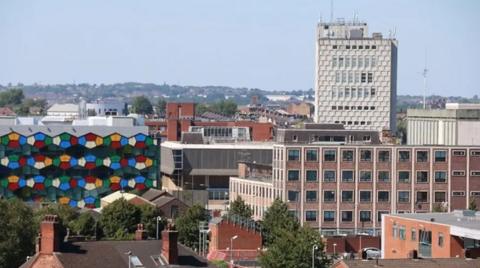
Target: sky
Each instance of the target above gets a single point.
(266, 44)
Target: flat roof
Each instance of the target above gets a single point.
(461, 224)
(238, 145)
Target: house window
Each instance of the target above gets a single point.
(403, 196)
(404, 176)
(328, 196)
(347, 155)
(422, 176)
(363, 76)
(329, 155)
(365, 216)
(365, 196)
(293, 175)
(329, 216)
(365, 155)
(311, 175)
(365, 175)
(384, 176)
(292, 196)
(440, 176)
(475, 153)
(422, 197)
(347, 196)
(458, 193)
(422, 156)
(329, 176)
(404, 156)
(380, 213)
(413, 234)
(311, 155)
(383, 196)
(384, 156)
(293, 155)
(347, 216)
(440, 240)
(311, 215)
(370, 80)
(402, 232)
(347, 176)
(440, 197)
(311, 196)
(475, 173)
(440, 156)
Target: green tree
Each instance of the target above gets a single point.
(119, 219)
(65, 213)
(201, 108)
(277, 218)
(85, 225)
(149, 219)
(294, 249)
(142, 105)
(239, 208)
(11, 97)
(472, 205)
(187, 225)
(17, 238)
(27, 104)
(161, 106)
(225, 107)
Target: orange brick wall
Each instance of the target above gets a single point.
(395, 248)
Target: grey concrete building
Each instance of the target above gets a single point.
(355, 77)
(458, 124)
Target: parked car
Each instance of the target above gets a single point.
(371, 253)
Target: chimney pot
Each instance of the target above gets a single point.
(49, 235)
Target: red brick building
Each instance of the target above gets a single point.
(346, 188)
(181, 116)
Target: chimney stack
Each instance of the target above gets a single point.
(169, 244)
(49, 235)
(140, 233)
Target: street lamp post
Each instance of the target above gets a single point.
(315, 247)
(334, 245)
(231, 247)
(158, 220)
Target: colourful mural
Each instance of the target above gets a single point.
(75, 170)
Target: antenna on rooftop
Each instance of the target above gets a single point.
(331, 11)
(424, 74)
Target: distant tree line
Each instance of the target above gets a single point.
(16, 101)
(223, 107)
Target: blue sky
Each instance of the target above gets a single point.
(266, 44)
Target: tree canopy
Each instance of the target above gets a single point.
(294, 249)
(119, 219)
(224, 107)
(17, 238)
(142, 105)
(277, 218)
(161, 106)
(239, 208)
(187, 225)
(11, 97)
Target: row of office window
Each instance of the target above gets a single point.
(354, 61)
(345, 215)
(330, 155)
(356, 123)
(353, 92)
(353, 77)
(365, 196)
(353, 108)
(354, 47)
(348, 175)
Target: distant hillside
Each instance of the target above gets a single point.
(199, 94)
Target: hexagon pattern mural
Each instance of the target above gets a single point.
(75, 170)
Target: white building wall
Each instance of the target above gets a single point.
(431, 131)
(341, 66)
(468, 132)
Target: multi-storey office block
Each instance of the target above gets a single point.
(355, 77)
(75, 165)
(347, 188)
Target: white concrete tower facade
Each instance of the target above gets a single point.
(355, 77)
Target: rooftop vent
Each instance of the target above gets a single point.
(377, 35)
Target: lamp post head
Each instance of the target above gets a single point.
(234, 237)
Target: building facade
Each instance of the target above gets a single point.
(347, 188)
(76, 164)
(355, 77)
(458, 124)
